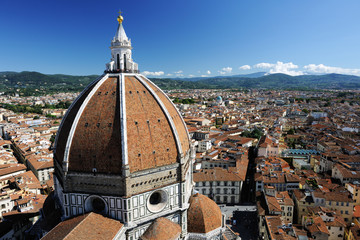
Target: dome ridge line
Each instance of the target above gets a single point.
(123, 123)
(167, 114)
(72, 105)
(76, 121)
(182, 120)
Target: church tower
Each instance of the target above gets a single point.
(123, 154)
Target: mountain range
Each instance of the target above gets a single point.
(35, 83)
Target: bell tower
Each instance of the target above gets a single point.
(121, 59)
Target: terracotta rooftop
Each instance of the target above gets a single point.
(86, 227)
(204, 215)
(218, 174)
(337, 196)
(162, 229)
(356, 211)
(12, 169)
(316, 224)
(39, 162)
(274, 224)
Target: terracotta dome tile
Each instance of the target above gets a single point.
(162, 229)
(204, 215)
(93, 126)
(148, 131)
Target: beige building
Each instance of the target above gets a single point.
(354, 189)
(302, 201)
(320, 218)
(279, 203)
(222, 185)
(340, 201)
(268, 148)
(42, 167)
(346, 172)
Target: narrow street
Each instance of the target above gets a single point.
(248, 190)
(243, 218)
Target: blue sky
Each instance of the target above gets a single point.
(183, 38)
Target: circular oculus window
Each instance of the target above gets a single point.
(96, 204)
(157, 201)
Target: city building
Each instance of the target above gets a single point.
(222, 185)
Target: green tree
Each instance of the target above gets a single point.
(50, 116)
(291, 131)
(256, 133)
(327, 104)
(52, 138)
(305, 111)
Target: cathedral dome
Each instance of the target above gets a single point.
(204, 215)
(121, 136)
(120, 124)
(120, 119)
(123, 151)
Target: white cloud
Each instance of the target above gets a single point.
(291, 69)
(225, 70)
(321, 68)
(245, 67)
(280, 67)
(286, 68)
(179, 73)
(263, 65)
(147, 73)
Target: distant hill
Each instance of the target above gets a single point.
(272, 81)
(251, 75)
(35, 83)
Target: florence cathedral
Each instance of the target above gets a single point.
(123, 163)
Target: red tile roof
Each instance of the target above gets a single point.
(203, 214)
(162, 229)
(86, 227)
(96, 143)
(147, 123)
(12, 169)
(175, 115)
(218, 174)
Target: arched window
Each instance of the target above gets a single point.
(118, 61)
